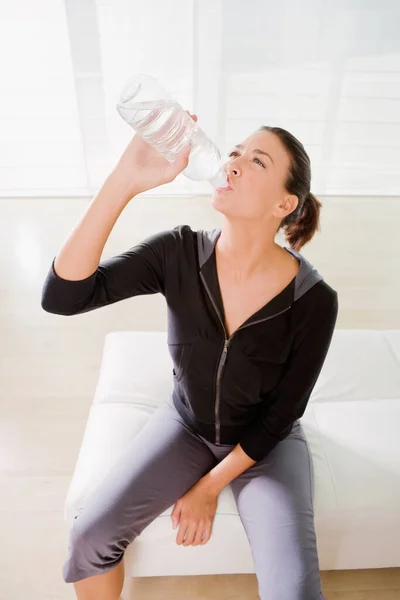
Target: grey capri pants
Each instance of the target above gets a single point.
(166, 458)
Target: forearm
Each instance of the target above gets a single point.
(80, 255)
(228, 469)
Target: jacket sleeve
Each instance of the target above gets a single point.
(288, 400)
(139, 270)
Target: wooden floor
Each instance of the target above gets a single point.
(372, 584)
(49, 367)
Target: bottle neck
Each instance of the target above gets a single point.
(220, 181)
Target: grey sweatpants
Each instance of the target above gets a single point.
(274, 498)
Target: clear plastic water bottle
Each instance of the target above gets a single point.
(152, 112)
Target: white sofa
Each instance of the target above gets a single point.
(352, 424)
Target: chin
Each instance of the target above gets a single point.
(216, 200)
(219, 205)
(226, 206)
(221, 202)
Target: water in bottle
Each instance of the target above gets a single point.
(152, 112)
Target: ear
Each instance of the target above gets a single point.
(286, 206)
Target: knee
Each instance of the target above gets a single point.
(93, 549)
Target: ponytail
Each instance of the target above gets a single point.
(299, 230)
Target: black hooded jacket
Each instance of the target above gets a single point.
(248, 389)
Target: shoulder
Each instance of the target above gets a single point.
(311, 289)
(173, 250)
(319, 304)
(189, 241)
(314, 318)
(175, 234)
(322, 295)
(169, 240)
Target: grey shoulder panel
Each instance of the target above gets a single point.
(206, 241)
(307, 277)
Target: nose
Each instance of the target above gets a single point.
(232, 169)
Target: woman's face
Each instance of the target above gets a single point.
(257, 180)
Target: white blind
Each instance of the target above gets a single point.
(327, 72)
(40, 138)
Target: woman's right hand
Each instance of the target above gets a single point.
(142, 168)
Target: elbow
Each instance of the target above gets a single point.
(47, 304)
(50, 306)
(56, 311)
(63, 297)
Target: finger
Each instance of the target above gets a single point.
(192, 116)
(199, 534)
(190, 534)
(181, 533)
(207, 535)
(182, 159)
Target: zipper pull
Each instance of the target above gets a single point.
(225, 352)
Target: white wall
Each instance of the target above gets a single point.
(327, 71)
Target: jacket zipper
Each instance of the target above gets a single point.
(223, 356)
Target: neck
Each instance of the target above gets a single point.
(247, 251)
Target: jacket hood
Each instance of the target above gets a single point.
(305, 279)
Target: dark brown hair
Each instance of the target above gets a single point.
(301, 225)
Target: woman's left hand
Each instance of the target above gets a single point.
(194, 513)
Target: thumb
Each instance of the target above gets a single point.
(175, 516)
(180, 163)
(182, 160)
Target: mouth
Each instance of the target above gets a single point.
(228, 188)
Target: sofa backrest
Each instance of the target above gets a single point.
(361, 364)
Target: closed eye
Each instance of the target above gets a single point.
(255, 159)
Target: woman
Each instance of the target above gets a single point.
(249, 326)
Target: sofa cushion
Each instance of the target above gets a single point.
(360, 365)
(351, 427)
